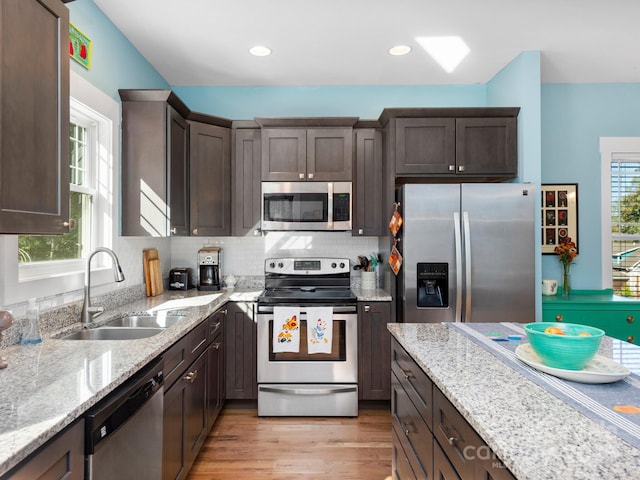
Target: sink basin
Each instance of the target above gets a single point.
(113, 334)
(143, 321)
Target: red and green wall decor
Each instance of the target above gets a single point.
(79, 47)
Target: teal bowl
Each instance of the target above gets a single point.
(570, 351)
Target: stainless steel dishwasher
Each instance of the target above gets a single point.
(123, 432)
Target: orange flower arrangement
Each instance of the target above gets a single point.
(567, 251)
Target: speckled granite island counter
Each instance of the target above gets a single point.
(49, 385)
(535, 434)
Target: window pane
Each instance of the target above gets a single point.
(625, 227)
(40, 248)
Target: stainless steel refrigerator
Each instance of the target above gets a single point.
(468, 253)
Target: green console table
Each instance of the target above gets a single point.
(618, 316)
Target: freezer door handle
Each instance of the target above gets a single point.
(467, 266)
(458, 242)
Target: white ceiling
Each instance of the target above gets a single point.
(345, 42)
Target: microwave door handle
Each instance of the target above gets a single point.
(330, 204)
(458, 244)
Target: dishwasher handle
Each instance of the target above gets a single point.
(120, 405)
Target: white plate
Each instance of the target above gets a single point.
(599, 370)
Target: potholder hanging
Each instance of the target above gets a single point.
(396, 221)
(395, 259)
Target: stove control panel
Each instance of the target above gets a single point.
(306, 266)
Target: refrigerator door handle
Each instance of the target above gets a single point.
(458, 242)
(467, 266)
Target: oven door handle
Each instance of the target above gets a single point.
(308, 391)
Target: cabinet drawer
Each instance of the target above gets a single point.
(184, 351)
(412, 429)
(415, 382)
(443, 470)
(400, 463)
(620, 324)
(456, 437)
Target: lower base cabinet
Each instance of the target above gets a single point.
(241, 351)
(431, 439)
(374, 341)
(60, 459)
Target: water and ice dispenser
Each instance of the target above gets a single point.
(433, 285)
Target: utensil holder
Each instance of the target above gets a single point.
(368, 280)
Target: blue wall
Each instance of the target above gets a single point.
(574, 117)
(115, 63)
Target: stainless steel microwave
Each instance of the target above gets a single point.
(306, 206)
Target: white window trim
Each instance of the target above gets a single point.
(610, 146)
(68, 279)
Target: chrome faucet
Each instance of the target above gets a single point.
(89, 312)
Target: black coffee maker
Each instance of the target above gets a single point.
(209, 268)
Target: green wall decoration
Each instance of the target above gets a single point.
(79, 47)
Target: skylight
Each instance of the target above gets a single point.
(447, 51)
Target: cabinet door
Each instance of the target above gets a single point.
(374, 351)
(178, 148)
(487, 146)
(210, 171)
(34, 128)
(215, 368)
(368, 206)
(329, 154)
(240, 339)
(425, 145)
(247, 170)
(284, 154)
(173, 443)
(442, 468)
(60, 459)
(195, 415)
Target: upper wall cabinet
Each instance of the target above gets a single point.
(34, 121)
(455, 141)
(246, 174)
(210, 165)
(155, 156)
(367, 205)
(307, 149)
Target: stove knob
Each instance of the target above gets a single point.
(333, 265)
(280, 265)
(341, 264)
(272, 265)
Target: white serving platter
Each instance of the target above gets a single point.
(599, 370)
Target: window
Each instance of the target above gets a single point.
(42, 256)
(621, 215)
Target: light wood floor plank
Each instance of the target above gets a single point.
(242, 446)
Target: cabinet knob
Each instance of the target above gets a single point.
(360, 231)
(631, 339)
(452, 168)
(216, 345)
(71, 223)
(630, 319)
(301, 176)
(461, 168)
(195, 231)
(174, 230)
(559, 318)
(407, 375)
(191, 376)
(367, 308)
(310, 176)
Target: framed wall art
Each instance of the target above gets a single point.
(79, 47)
(559, 210)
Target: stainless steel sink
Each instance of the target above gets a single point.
(123, 333)
(143, 321)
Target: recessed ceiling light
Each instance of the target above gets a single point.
(259, 51)
(399, 50)
(447, 51)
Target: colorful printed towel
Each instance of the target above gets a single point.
(319, 329)
(286, 329)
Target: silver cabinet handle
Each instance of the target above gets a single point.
(301, 176)
(452, 168)
(310, 176)
(195, 231)
(216, 345)
(367, 308)
(461, 168)
(174, 230)
(191, 376)
(71, 223)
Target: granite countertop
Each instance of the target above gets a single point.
(374, 295)
(535, 434)
(49, 385)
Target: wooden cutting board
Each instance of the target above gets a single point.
(152, 272)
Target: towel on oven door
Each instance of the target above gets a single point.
(319, 329)
(286, 329)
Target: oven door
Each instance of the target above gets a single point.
(296, 206)
(340, 366)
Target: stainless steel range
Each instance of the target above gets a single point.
(307, 339)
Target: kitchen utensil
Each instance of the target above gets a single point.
(568, 351)
(152, 272)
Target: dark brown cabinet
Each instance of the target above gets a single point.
(34, 127)
(210, 172)
(240, 338)
(62, 458)
(215, 367)
(368, 201)
(155, 179)
(247, 171)
(431, 439)
(479, 142)
(374, 347)
(311, 154)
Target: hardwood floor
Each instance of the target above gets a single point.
(242, 446)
